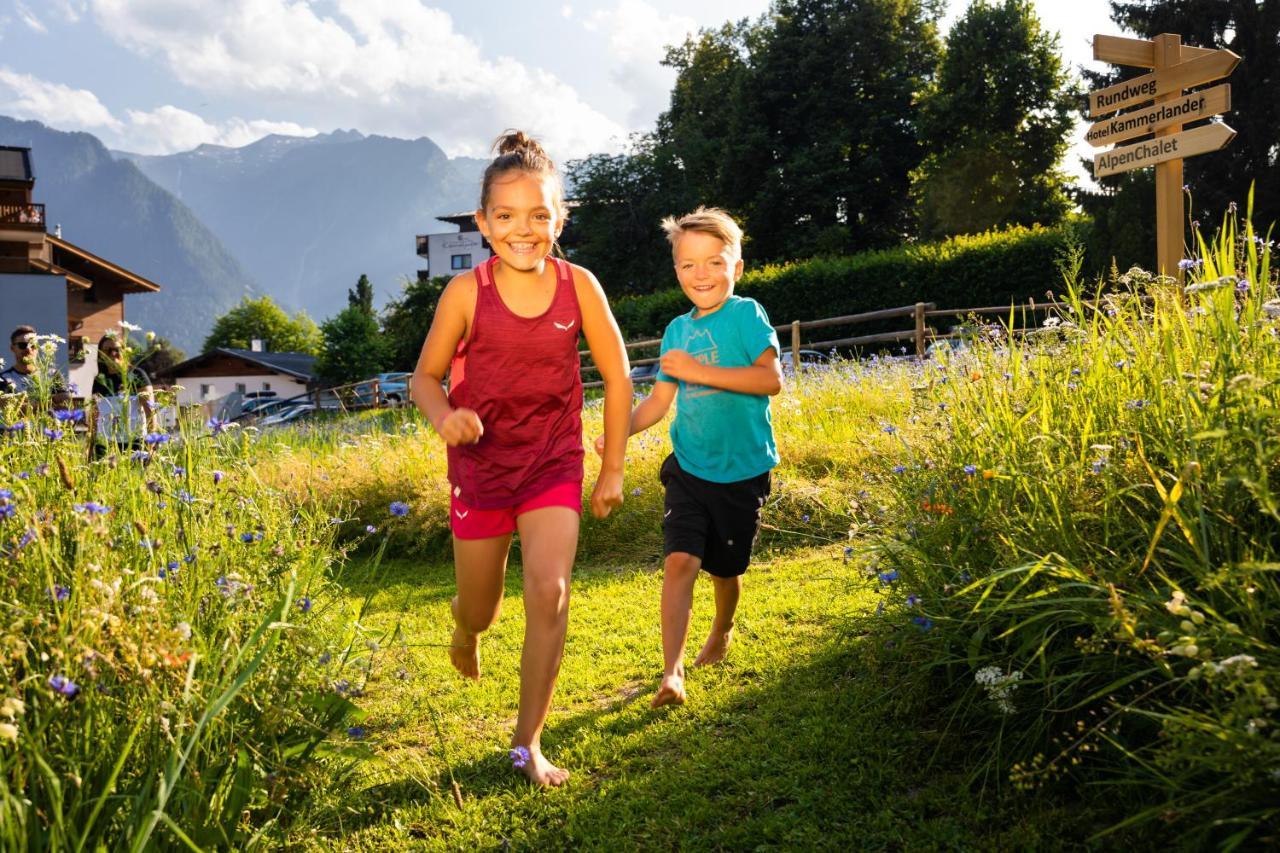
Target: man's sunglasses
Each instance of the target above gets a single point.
(23, 344)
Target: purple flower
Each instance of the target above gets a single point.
(889, 428)
(64, 685)
(357, 732)
(17, 427)
(399, 508)
(1137, 405)
(217, 477)
(92, 508)
(342, 686)
(73, 416)
(156, 438)
(189, 559)
(324, 658)
(899, 469)
(140, 456)
(369, 528)
(248, 537)
(805, 518)
(52, 434)
(7, 510)
(170, 570)
(59, 592)
(216, 425)
(1188, 264)
(304, 604)
(913, 600)
(888, 577)
(636, 492)
(923, 623)
(519, 756)
(971, 469)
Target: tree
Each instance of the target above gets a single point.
(406, 320)
(1251, 29)
(157, 355)
(362, 296)
(353, 347)
(995, 125)
(265, 320)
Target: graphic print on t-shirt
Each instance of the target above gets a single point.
(702, 347)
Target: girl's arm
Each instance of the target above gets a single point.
(610, 357)
(762, 377)
(455, 426)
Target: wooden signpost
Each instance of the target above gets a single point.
(1175, 67)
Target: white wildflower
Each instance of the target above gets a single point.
(1271, 308)
(999, 686)
(9, 732)
(184, 630)
(129, 327)
(12, 707)
(1177, 605)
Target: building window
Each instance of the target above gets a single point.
(460, 262)
(266, 386)
(241, 387)
(206, 391)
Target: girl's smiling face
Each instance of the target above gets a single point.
(522, 219)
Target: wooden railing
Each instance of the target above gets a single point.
(22, 216)
(920, 334)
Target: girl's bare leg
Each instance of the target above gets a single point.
(548, 542)
(479, 566)
(679, 573)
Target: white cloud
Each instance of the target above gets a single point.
(566, 11)
(386, 66)
(28, 17)
(24, 96)
(638, 36)
(169, 129)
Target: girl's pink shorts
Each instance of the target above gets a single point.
(469, 523)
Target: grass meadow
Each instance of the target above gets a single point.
(1021, 595)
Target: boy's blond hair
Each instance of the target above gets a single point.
(706, 220)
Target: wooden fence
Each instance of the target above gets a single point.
(920, 334)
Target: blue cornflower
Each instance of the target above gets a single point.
(1242, 286)
(155, 438)
(923, 623)
(179, 471)
(1137, 405)
(324, 658)
(971, 469)
(304, 604)
(342, 686)
(64, 685)
(848, 552)
(52, 434)
(636, 492)
(805, 518)
(519, 756)
(7, 510)
(1098, 465)
(59, 592)
(24, 475)
(217, 477)
(186, 497)
(1075, 371)
(357, 732)
(216, 425)
(72, 416)
(27, 538)
(6, 494)
(92, 508)
(17, 426)
(247, 537)
(1007, 375)
(369, 528)
(189, 559)
(889, 428)
(170, 569)
(399, 508)
(1188, 264)
(140, 456)
(913, 600)
(898, 469)
(888, 577)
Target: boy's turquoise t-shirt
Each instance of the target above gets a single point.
(719, 435)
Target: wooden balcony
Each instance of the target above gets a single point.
(27, 217)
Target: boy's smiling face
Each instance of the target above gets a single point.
(707, 269)
(521, 221)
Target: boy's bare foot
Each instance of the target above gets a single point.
(670, 692)
(543, 772)
(715, 648)
(464, 649)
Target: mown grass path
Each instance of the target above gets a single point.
(791, 744)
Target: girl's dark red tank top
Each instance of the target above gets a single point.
(521, 376)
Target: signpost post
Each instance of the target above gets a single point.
(1175, 67)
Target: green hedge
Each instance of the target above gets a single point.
(963, 272)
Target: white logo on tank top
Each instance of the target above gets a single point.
(562, 327)
(462, 514)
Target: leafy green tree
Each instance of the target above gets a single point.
(157, 354)
(995, 124)
(264, 319)
(406, 320)
(1251, 29)
(353, 347)
(362, 296)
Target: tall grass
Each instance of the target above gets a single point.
(1085, 542)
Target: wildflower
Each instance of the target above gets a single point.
(7, 510)
(988, 473)
(179, 471)
(1007, 375)
(913, 600)
(216, 425)
(1098, 465)
(189, 559)
(342, 686)
(1242, 286)
(129, 327)
(889, 577)
(154, 487)
(357, 732)
(140, 456)
(304, 604)
(73, 416)
(9, 731)
(805, 518)
(64, 685)
(58, 592)
(1177, 604)
(17, 426)
(889, 428)
(92, 508)
(156, 438)
(52, 434)
(1075, 371)
(170, 569)
(999, 686)
(848, 552)
(369, 528)
(971, 469)
(250, 537)
(1189, 264)
(1137, 405)
(519, 756)
(217, 477)
(898, 469)
(324, 658)
(923, 623)
(636, 492)
(12, 707)
(399, 508)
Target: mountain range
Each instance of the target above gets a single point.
(295, 218)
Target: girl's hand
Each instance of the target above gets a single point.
(599, 445)
(607, 494)
(461, 426)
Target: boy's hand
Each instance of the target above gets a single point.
(679, 364)
(607, 494)
(461, 426)
(599, 445)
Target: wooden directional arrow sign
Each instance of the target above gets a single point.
(1174, 78)
(1139, 52)
(1189, 108)
(1211, 137)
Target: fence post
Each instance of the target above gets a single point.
(795, 346)
(919, 330)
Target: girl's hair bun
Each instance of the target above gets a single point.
(516, 142)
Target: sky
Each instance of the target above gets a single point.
(160, 76)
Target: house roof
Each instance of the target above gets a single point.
(86, 264)
(296, 364)
(15, 164)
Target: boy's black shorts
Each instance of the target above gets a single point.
(717, 522)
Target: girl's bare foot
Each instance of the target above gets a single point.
(670, 692)
(539, 770)
(464, 649)
(715, 648)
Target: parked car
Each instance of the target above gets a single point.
(288, 415)
(392, 388)
(807, 356)
(255, 401)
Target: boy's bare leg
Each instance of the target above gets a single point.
(548, 541)
(479, 565)
(728, 591)
(679, 573)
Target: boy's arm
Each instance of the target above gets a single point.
(448, 326)
(609, 354)
(762, 377)
(651, 410)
